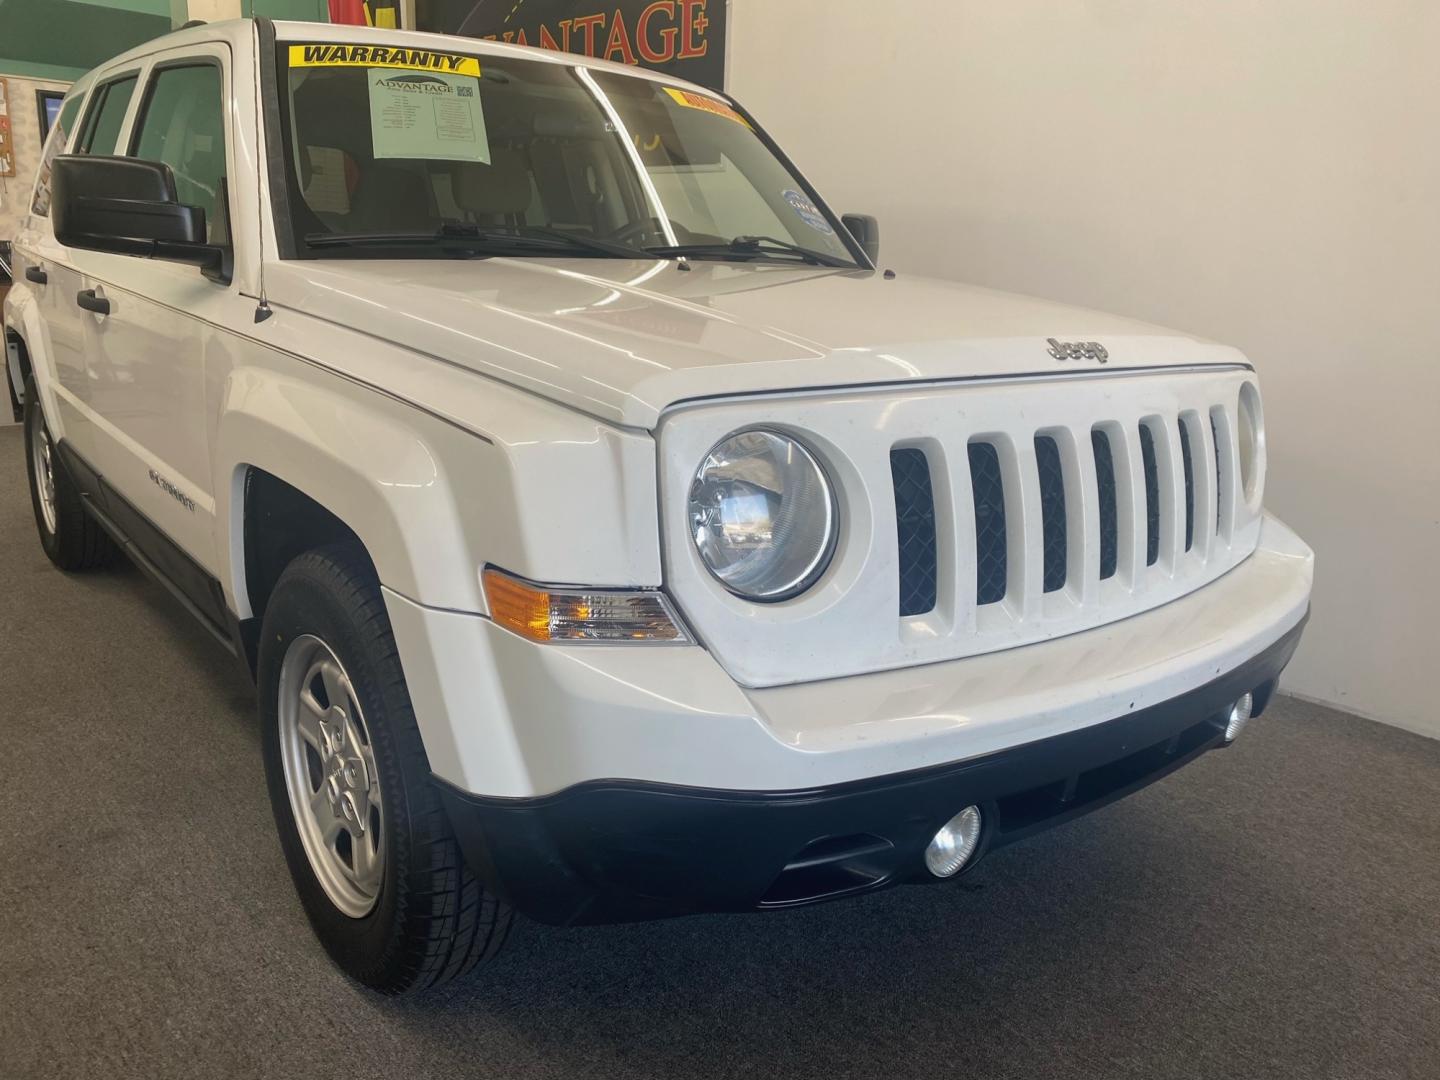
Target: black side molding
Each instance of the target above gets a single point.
(196, 590)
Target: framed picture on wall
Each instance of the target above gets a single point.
(7, 147)
(48, 102)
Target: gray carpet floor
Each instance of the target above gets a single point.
(1270, 911)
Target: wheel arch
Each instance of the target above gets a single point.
(17, 370)
(279, 523)
(20, 330)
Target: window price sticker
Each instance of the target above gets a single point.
(427, 114)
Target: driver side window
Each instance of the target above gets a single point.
(182, 123)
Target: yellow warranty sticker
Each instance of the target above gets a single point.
(705, 104)
(383, 56)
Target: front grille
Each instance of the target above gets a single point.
(979, 516)
(914, 529)
(991, 558)
(1144, 471)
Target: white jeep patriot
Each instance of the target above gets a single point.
(608, 538)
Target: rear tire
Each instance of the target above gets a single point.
(368, 843)
(71, 537)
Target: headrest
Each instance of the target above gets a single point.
(392, 197)
(502, 187)
(338, 109)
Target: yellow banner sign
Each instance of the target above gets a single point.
(705, 104)
(383, 56)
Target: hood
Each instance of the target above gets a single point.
(624, 340)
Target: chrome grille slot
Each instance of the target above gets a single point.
(1189, 483)
(1108, 506)
(1052, 510)
(1215, 416)
(1152, 495)
(992, 560)
(914, 529)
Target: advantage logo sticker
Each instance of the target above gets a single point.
(426, 115)
(373, 56)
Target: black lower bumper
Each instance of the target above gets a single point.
(617, 850)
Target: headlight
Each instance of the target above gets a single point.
(763, 515)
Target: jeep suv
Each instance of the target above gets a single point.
(607, 536)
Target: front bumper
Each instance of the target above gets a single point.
(504, 717)
(611, 850)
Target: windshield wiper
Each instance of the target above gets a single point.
(445, 235)
(466, 237)
(593, 243)
(751, 246)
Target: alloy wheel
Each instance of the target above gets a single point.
(42, 455)
(330, 776)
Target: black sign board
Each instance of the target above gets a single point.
(683, 37)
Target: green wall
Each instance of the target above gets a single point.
(63, 39)
(299, 10)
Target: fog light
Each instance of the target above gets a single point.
(954, 843)
(1240, 714)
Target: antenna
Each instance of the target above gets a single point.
(262, 309)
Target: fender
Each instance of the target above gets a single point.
(432, 503)
(365, 459)
(461, 468)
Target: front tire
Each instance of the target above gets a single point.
(72, 539)
(369, 847)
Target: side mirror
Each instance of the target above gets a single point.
(128, 207)
(866, 231)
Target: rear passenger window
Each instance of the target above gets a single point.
(55, 144)
(107, 113)
(183, 124)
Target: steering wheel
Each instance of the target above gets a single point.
(628, 234)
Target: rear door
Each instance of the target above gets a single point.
(35, 251)
(70, 330)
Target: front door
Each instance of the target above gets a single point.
(147, 346)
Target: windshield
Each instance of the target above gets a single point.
(398, 152)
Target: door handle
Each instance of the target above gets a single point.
(35, 274)
(87, 299)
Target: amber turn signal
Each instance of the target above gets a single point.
(558, 615)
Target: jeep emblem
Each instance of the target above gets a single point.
(1077, 350)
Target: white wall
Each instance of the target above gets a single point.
(1261, 172)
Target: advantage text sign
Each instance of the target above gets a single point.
(682, 37)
